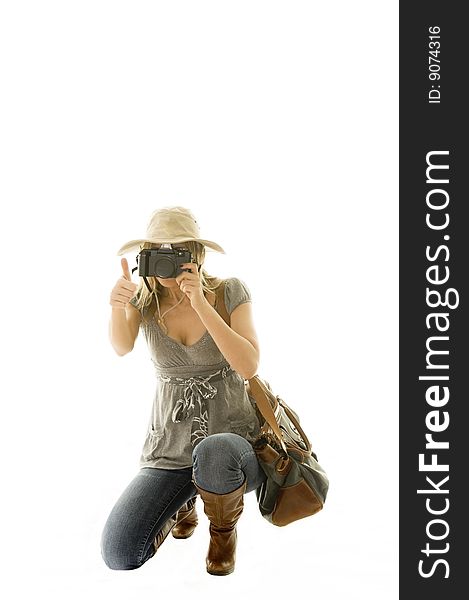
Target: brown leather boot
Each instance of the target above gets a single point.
(186, 520)
(164, 531)
(223, 512)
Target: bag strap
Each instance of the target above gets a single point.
(220, 303)
(260, 393)
(264, 398)
(297, 426)
(255, 386)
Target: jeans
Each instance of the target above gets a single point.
(221, 463)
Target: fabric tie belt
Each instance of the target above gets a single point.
(192, 403)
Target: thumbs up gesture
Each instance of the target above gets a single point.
(124, 289)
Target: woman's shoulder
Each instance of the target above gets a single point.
(236, 292)
(232, 282)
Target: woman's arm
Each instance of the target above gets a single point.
(238, 343)
(125, 318)
(123, 328)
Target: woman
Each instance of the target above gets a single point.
(202, 419)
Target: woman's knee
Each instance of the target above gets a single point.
(217, 462)
(118, 552)
(224, 445)
(220, 450)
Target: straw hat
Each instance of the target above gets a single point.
(171, 224)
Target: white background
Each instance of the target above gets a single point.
(276, 124)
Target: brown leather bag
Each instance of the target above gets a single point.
(296, 485)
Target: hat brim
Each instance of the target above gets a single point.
(135, 244)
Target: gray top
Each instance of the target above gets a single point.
(197, 392)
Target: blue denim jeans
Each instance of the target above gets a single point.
(221, 463)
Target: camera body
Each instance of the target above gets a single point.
(162, 262)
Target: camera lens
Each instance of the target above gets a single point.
(165, 268)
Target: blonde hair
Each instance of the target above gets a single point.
(144, 299)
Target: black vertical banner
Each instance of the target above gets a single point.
(434, 250)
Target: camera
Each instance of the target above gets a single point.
(162, 262)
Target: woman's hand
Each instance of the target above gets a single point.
(189, 283)
(124, 289)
